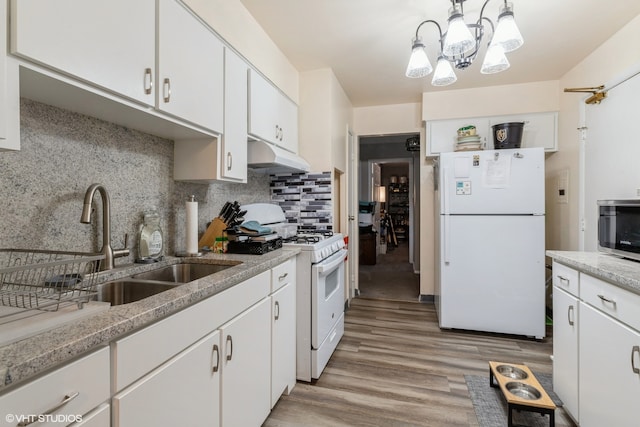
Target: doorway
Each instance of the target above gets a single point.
(389, 233)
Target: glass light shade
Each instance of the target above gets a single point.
(495, 60)
(507, 33)
(382, 194)
(419, 65)
(444, 74)
(459, 39)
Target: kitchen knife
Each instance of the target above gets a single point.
(224, 209)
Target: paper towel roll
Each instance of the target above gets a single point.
(192, 225)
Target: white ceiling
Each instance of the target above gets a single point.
(367, 42)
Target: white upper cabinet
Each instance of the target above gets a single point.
(110, 44)
(3, 79)
(442, 135)
(233, 163)
(540, 130)
(223, 158)
(190, 67)
(272, 116)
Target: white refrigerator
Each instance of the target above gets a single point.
(490, 241)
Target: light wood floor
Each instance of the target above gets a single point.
(395, 367)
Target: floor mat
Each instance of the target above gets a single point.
(491, 407)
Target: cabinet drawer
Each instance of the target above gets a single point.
(139, 353)
(610, 299)
(565, 278)
(99, 417)
(88, 376)
(283, 274)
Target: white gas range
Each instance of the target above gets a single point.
(320, 290)
(320, 300)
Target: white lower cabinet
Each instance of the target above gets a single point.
(596, 349)
(283, 341)
(565, 349)
(223, 361)
(183, 391)
(99, 417)
(65, 393)
(246, 367)
(609, 371)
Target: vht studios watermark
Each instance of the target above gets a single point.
(26, 419)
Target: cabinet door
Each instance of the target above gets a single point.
(246, 367)
(233, 159)
(99, 417)
(565, 349)
(283, 341)
(609, 387)
(190, 67)
(3, 79)
(288, 122)
(263, 99)
(110, 44)
(442, 135)
(184, 391)
(540, 129)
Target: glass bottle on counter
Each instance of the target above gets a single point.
(150, 237)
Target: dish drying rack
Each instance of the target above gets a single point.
(43, 280)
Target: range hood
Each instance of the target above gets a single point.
(268, 158)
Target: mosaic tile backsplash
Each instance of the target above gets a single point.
(305, 199)
(42, 186)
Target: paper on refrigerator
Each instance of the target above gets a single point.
(496, 171)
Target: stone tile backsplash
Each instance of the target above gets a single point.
(42, 186)
(305, 199)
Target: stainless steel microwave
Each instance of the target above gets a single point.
(619, 227)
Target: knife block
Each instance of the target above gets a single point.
(215, 229)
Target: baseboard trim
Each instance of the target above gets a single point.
(426, 298)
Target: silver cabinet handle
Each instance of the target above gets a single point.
(216, 351)
(283, 276)
(605, 299)
(166, 89)
(570, 315)
(229, 347)
(635, 349)
(281, 133)
(229, 160)
(34, 418)
(277, 131)
(277, 316)
(563, 280)
(148, 81)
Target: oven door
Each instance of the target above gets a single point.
(327, 296)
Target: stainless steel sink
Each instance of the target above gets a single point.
(130, 290)
(143, 285)
(183, 272)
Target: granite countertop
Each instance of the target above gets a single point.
(619, 271)
(24, 359)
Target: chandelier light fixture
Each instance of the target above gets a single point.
(459, 45)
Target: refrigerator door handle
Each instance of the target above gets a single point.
(445, 190)
(445, 219)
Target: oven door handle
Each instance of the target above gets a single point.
(329, 264)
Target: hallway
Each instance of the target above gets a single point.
(391, 278)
